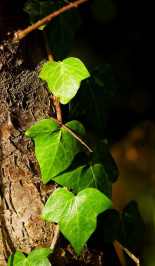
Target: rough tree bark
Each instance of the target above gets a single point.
(24, 100)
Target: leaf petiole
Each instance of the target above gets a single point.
(71, 132)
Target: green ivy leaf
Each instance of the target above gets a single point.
(64, 77)
(37, 257)
(98, 170)
(76, 215)
(38, 10)
(126, 227)
(93, 98)
(55, 147)
(61, 31)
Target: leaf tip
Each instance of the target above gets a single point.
(27, 133)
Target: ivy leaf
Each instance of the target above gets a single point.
(55, 147)
(93, 98)
(61, 31)
(37, 257)
(76, 215)
(64, 77)
(82, 174)
(38, 10)
(126, 227)
(102, 154)
(97, 171)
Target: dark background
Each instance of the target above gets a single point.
(120, 33)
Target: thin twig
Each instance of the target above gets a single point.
(71, 132)
(136, 260)
(21, 34)
(49, 53)
(58, 109)
(56, 236)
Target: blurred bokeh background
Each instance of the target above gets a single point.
(120, 33)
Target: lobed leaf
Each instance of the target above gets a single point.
(38, 10)
(76, 215)
(98, 171)
(126, 227)
(55, 147)
(61, 31)
(64, 77)
(93, 98)
(37, 257)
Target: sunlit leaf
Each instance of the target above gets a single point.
(76, 215)
(37, 257)
(55, 147)
(64, 77)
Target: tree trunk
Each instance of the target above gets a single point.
(24, 100)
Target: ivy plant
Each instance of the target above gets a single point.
(37, 257)
(63, 151)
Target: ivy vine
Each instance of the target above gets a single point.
(61, 149)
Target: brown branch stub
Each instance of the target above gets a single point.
(21, 34)
(16, 36)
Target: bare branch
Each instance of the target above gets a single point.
(55, 238)
(21, 34)
(136, 260)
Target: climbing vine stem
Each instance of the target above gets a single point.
(50, 58)
(59, 117)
